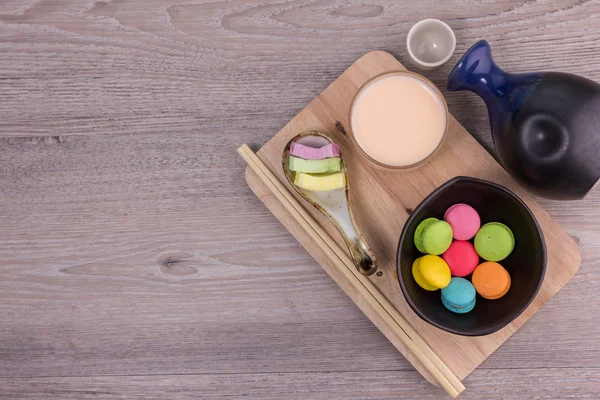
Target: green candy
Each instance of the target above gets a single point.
(433, 236)
(494, 241)
(324, 166)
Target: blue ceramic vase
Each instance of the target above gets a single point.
(545, 126)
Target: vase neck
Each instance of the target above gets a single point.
(476, 71)
(502, 92)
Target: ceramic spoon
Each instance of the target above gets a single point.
(334, 205)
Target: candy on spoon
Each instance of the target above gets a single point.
(326, 165)
(320, 183)
(327, 192)
(312, 153)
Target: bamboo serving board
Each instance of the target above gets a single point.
(381, 202)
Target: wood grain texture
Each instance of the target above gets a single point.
(122, 255)
(541, 384)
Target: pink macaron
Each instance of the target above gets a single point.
(464, 220)
(461, 257)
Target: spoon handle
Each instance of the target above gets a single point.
(361, 256)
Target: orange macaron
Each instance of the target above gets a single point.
(491, 280)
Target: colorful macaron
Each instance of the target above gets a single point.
(431, 272)
(416, 273)
(464, 220)
(494, 241)
(491, 280)
(317, 169)
(461, 257)
(433, 236)
(459, 296)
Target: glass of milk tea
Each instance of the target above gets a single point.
(398, 119)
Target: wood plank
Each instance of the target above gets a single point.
(121, 119)
(581, 383)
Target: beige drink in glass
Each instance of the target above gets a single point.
(398, 119)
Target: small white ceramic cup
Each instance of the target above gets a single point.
(430, 43)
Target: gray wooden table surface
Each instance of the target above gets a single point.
(135, 263)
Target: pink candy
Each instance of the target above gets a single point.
(311, 153)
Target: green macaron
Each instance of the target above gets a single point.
(494, 241)
(433, 236)
(419, 232)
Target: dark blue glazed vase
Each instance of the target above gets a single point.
(545, 126)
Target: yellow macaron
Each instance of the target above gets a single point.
(416, 272)
(431, 272)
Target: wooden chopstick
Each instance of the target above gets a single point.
(376, 300)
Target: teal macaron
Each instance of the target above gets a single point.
(494, 241)
(459, 296)
(433, 236)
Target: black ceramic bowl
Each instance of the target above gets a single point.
(526, 264)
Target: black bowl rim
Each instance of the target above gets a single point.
(515, 314)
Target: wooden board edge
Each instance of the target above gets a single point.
(576, 244)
